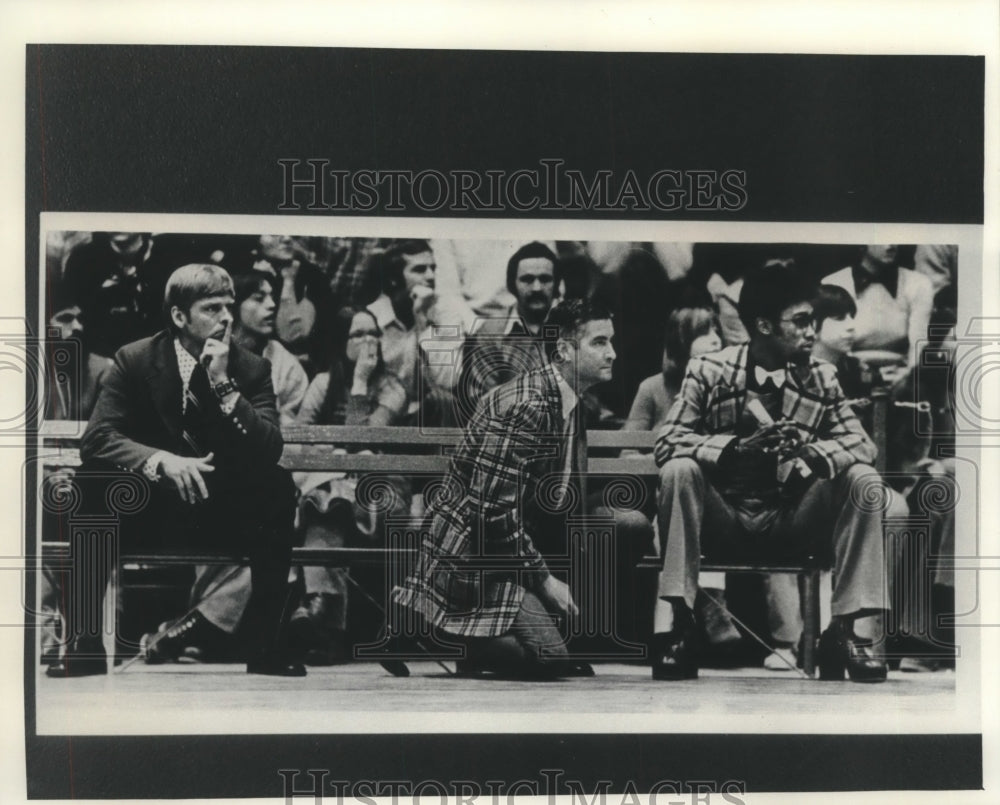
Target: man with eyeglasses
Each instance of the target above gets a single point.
(761, 457)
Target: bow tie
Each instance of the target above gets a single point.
(777, 377)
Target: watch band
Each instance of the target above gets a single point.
(224, 388)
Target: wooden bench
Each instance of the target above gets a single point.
(416, 452)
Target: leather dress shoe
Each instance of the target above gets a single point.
(313, 633)
(842, 651)
(673, 653)
(274, 664)
(80, 659)
(77, 666)
(577, 668)
(172, 640)
(50, 627)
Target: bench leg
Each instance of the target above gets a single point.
(810, 620)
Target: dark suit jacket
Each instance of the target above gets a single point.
(138, 411)
(494, 504)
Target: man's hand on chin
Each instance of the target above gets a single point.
(215, 356)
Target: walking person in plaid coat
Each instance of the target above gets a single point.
(482, 580)
(762, 457)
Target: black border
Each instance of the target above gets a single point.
(247, 766)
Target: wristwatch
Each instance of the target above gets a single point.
(224, 388)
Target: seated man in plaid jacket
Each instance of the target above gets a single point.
(761, 457)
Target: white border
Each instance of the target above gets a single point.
(858, 26)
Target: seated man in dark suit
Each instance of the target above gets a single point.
(189, 423)
(761, 456)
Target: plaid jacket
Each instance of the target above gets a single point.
(702, 421)
(491, 359)
(491, 506)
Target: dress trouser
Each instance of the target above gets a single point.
(251, 512)
(694, 519)
(221, 594)
(533, 638)
(537, 636)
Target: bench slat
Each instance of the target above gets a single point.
(326, 460)
(348, 556)
(341, 435)
(639, 465)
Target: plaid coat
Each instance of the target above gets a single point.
(492, 507)
(703, 419)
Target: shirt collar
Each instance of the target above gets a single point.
(886, 275)
(186, 364)
(762, 376)
(756, 374)
(384, 312)
(515, 326)
(568, 397)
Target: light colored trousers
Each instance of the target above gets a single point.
(695, 519)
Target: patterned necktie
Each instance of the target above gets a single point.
(194, 413)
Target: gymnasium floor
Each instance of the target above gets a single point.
(361, 697)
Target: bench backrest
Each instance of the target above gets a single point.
(404, 450)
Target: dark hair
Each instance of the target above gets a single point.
(60, 296)
(770, 289)
(247, 283)
(527, 252)
(567, 317)
(393, 261)
(832, 301)
(192, 282)
(342, 368)
(579, 275)
(683, 327)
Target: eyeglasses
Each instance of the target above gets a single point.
(365, 334)
(802, 321)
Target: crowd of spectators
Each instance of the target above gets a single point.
(378, 331)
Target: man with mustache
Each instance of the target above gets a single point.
(195, 416)
(503, 348)
(762, 457)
